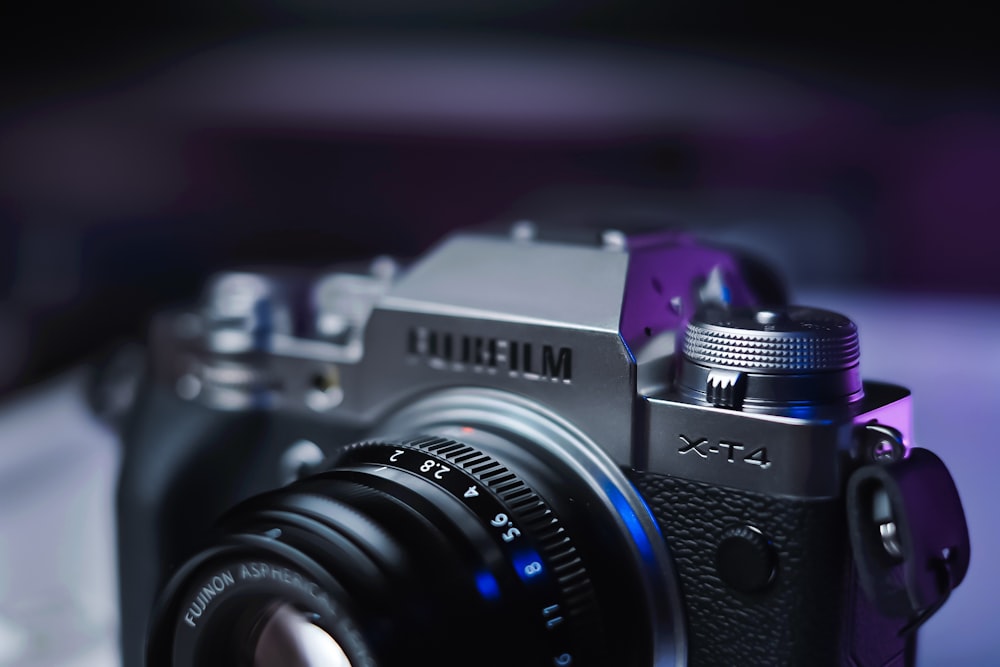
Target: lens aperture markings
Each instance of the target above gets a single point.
(538, 548)
(421, 457)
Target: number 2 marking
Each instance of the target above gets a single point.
(395, 457)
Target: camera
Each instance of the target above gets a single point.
(588, 449)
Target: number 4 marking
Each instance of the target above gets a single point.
(471, 492)
(758, 457)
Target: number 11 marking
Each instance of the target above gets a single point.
(551, 614)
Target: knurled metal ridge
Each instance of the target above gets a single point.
(532, 512)
(776, 351)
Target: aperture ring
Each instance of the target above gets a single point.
(526, 530)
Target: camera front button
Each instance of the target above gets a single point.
(746, 559)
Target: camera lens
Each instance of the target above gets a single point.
(287, 638)
(429, 550)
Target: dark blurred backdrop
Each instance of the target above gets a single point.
(143, 147)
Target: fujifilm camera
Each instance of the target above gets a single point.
(590, 450)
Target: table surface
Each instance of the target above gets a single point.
(57, 468)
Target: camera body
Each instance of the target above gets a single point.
(729, 493)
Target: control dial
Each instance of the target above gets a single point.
(770, 359)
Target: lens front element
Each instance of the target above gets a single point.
(288, 638)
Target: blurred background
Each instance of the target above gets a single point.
(142, 148)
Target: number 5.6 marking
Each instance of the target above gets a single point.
(499, 521)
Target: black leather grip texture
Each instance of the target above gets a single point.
(812, 613)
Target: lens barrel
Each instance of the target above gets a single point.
(416, 551)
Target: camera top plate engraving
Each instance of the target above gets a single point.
(588, 331)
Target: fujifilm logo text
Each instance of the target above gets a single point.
(449, 351)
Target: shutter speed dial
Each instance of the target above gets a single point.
(771, 360)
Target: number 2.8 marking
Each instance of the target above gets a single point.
(427, 465)
(430, 464)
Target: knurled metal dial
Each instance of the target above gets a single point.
(770, 359)
(789, 340)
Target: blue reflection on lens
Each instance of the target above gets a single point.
(488, 586)
(801, 412)
(632, 520)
